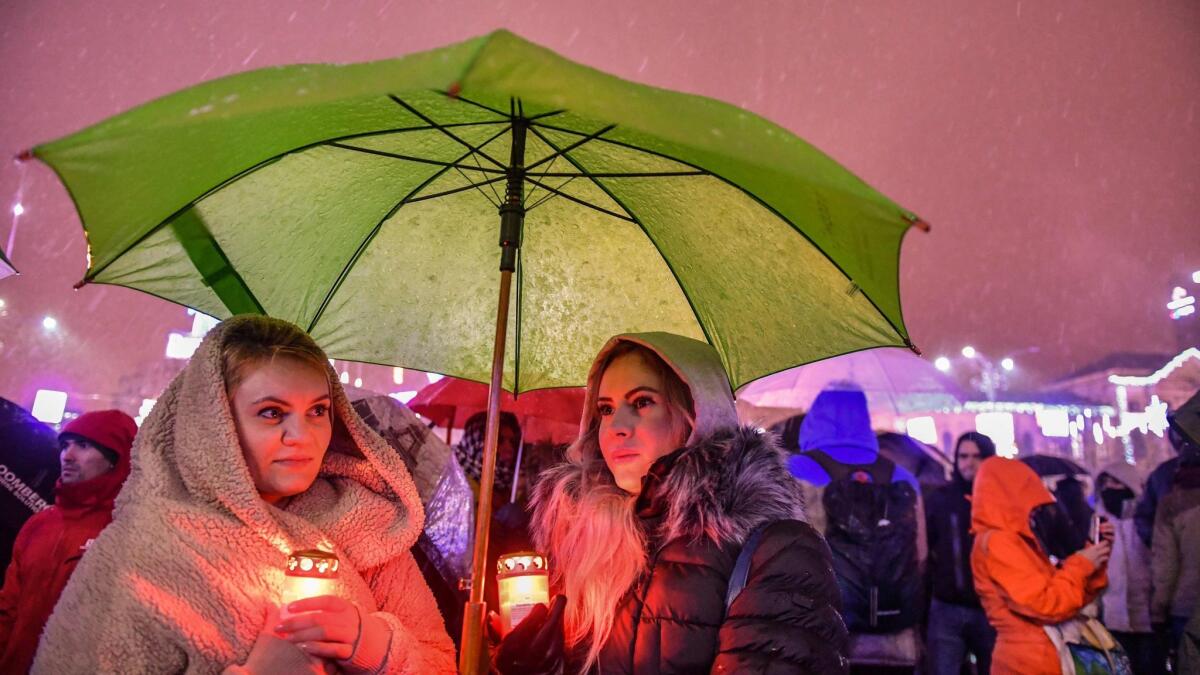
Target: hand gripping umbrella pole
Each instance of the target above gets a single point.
(512, 217)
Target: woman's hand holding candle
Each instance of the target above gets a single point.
(535, 646)
(330, 627)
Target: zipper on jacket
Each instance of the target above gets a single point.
(956, 542)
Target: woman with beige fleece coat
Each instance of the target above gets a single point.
(251, 453)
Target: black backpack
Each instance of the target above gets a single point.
(871, 527)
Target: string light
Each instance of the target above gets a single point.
(1154, 378)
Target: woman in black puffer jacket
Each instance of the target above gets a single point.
(645, 521)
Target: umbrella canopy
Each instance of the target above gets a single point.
(1051, 465)
(896, 382)
(359, 202)
(923, 461)
(6, 268)
(544, 414)
(29, 454)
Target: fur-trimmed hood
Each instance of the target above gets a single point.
(721, 487)
(723, 483)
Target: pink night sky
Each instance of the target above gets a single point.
(1053, 146)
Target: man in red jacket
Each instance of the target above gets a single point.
(94, 453)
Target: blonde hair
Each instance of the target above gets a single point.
(588, 525)
(261, 339)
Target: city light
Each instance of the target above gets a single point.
(345, 377)
(18, 209)
(923, 429)
(1054, 422)
(403, 396)
(942, 363)
(1196, 277)
(50, 323)
(2, 304)
(49, 405)
(1000, 428)
(968, 352)
(180, 346)
(147, 406)
(1007, 363)
(398, 375)
(358, 382)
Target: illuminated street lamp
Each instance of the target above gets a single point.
(990, 376)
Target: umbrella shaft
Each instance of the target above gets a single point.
(472, 637)
(512, 211)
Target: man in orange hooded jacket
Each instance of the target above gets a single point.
(1021, 588)
(94, 455)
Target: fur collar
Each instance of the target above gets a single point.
(720, 487)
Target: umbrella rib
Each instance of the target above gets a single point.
(408, 158)
(631, 174)
(762, 202)
(488, 108)
(635, 220)
(491, 186)
(579, 201)
(374, 231)
(463, 188)
(442, 128)
(92, 274)
(589, 137)
(549, 196)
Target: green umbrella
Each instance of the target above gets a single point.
(360, 202)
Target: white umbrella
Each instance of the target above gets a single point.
(896, 381)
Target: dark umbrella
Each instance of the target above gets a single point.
(1070, 484)
(1050, 465)
(925, 462)
(28, 470)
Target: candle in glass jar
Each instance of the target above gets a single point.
(523, 583)
(308, 574)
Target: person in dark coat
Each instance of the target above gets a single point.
(645, 521)
(1160, 480)
(957, 623)
(95, 462)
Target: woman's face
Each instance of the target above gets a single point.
(637, 425)
(281, 410)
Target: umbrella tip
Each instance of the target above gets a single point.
(921, 225)
(454, 90)
(81, 284)
(24, 155)
(915, 349)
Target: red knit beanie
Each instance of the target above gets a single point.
(113, 430)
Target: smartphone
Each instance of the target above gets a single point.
(1094, 532)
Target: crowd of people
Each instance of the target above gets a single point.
(678, 539)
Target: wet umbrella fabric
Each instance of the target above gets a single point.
(6, 267)
(895, 381)
(545, 414)
(29, 455)
(360, 202)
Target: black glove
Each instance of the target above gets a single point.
(535, 646)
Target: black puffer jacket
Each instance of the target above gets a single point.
(674, 620)
(948, 526)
